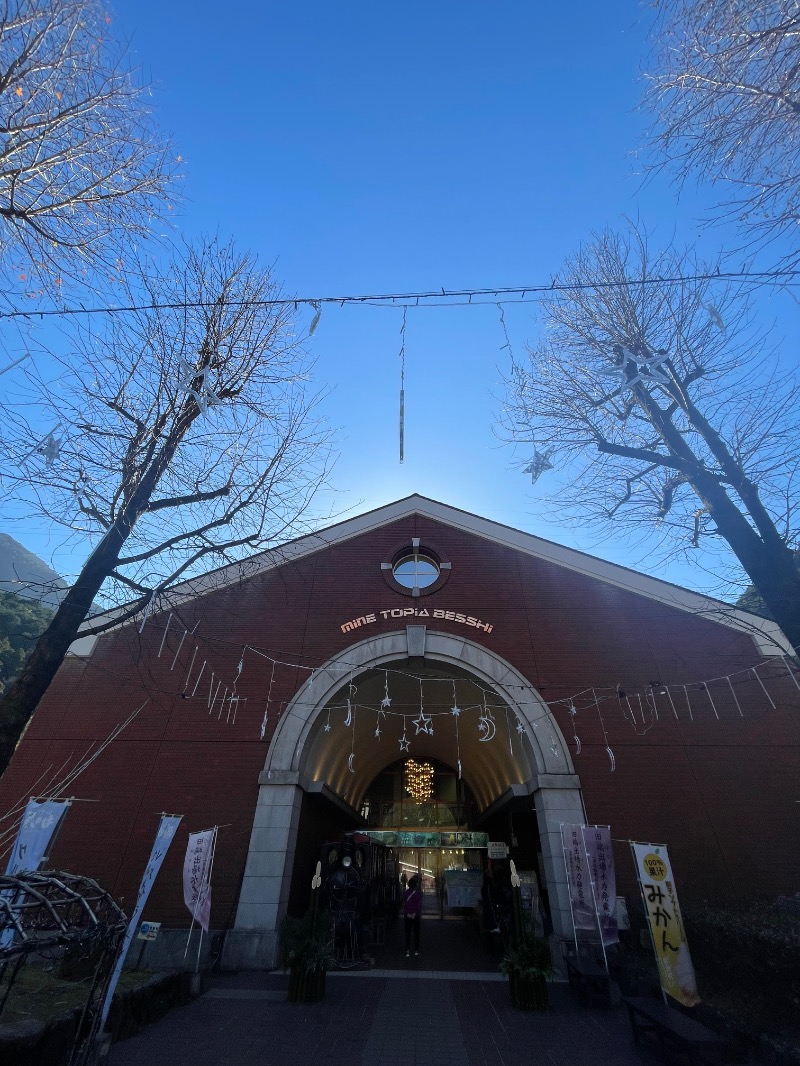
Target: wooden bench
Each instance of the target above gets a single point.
(673, 1033)
(590, 981)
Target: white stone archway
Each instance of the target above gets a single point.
(543, 770)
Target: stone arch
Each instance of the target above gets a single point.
(547, 742)
(547, 777)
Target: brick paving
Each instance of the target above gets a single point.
(379, 1021)
(417, 1012)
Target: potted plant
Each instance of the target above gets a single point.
(527, 964)
(526, 959)
(306, 952)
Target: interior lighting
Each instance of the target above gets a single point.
(419, 779)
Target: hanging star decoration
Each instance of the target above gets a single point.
(715, 317)
(405, 743)
(327, 726)
(573, 710)
(386, 702)
(455, 710)
(646, 369)
(520, 726)
(423, 722)
(50, 448)
(203, 396)
(539, 464)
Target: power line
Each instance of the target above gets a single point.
(431, 298)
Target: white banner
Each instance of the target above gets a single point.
(196, 876)
(578, 882)
(36, 829)
(167, 828)
(597, 841)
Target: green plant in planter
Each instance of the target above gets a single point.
(306, 951)
(527, 959)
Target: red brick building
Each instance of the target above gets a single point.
(685, 727)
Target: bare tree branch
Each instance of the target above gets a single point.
(659, 401)
(82, 167)
(186, 432)
(724, 97)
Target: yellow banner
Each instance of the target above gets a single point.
(660, 898)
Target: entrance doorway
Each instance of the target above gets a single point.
(435, 867)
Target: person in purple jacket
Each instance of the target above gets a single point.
(412, 909)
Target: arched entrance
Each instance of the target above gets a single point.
(526, 757)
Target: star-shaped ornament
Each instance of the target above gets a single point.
(423, 723)
(405, 743)
(455, 710)
(538, 465)
(645, 369)
(327, 727)
(520, 727)
(49, 448)
(573, 710)
(386, 702)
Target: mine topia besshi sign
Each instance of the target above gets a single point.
(417, 612)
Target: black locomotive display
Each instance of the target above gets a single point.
(360, 889)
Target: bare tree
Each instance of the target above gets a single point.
(725, 95)
(179, 436)
(668, 410)
(82, 168)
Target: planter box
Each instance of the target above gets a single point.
(306, 986)
(528, 993)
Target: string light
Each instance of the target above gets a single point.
(466, 297)
(419, 779)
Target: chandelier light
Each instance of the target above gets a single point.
(419, 779)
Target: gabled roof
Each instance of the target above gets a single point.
(766, 634)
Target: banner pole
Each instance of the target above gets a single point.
(648, 923)
(208, 889)
(594, 898)
(569, 891)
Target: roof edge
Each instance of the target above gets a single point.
(766, 634)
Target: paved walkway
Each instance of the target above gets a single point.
(365, 1020)
(449, 1007)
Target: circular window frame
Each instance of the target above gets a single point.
(415, 547)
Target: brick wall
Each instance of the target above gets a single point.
(721, 793)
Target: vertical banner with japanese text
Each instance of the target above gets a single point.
(660, 899)
(580, 890)
(597, 840)
(167, 828)
(196, 876)
(37, 828)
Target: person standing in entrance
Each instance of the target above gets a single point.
(412, 909)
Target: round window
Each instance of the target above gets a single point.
(415, 570)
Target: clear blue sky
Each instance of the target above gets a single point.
(377, 148)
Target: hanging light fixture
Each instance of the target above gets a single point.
(419, 779)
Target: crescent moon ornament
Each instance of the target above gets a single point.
(348, 720)
(350, 762)
(487, 724)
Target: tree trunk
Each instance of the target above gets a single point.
(774, 573)
(23, 696)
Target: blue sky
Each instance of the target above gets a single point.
(373, 148)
